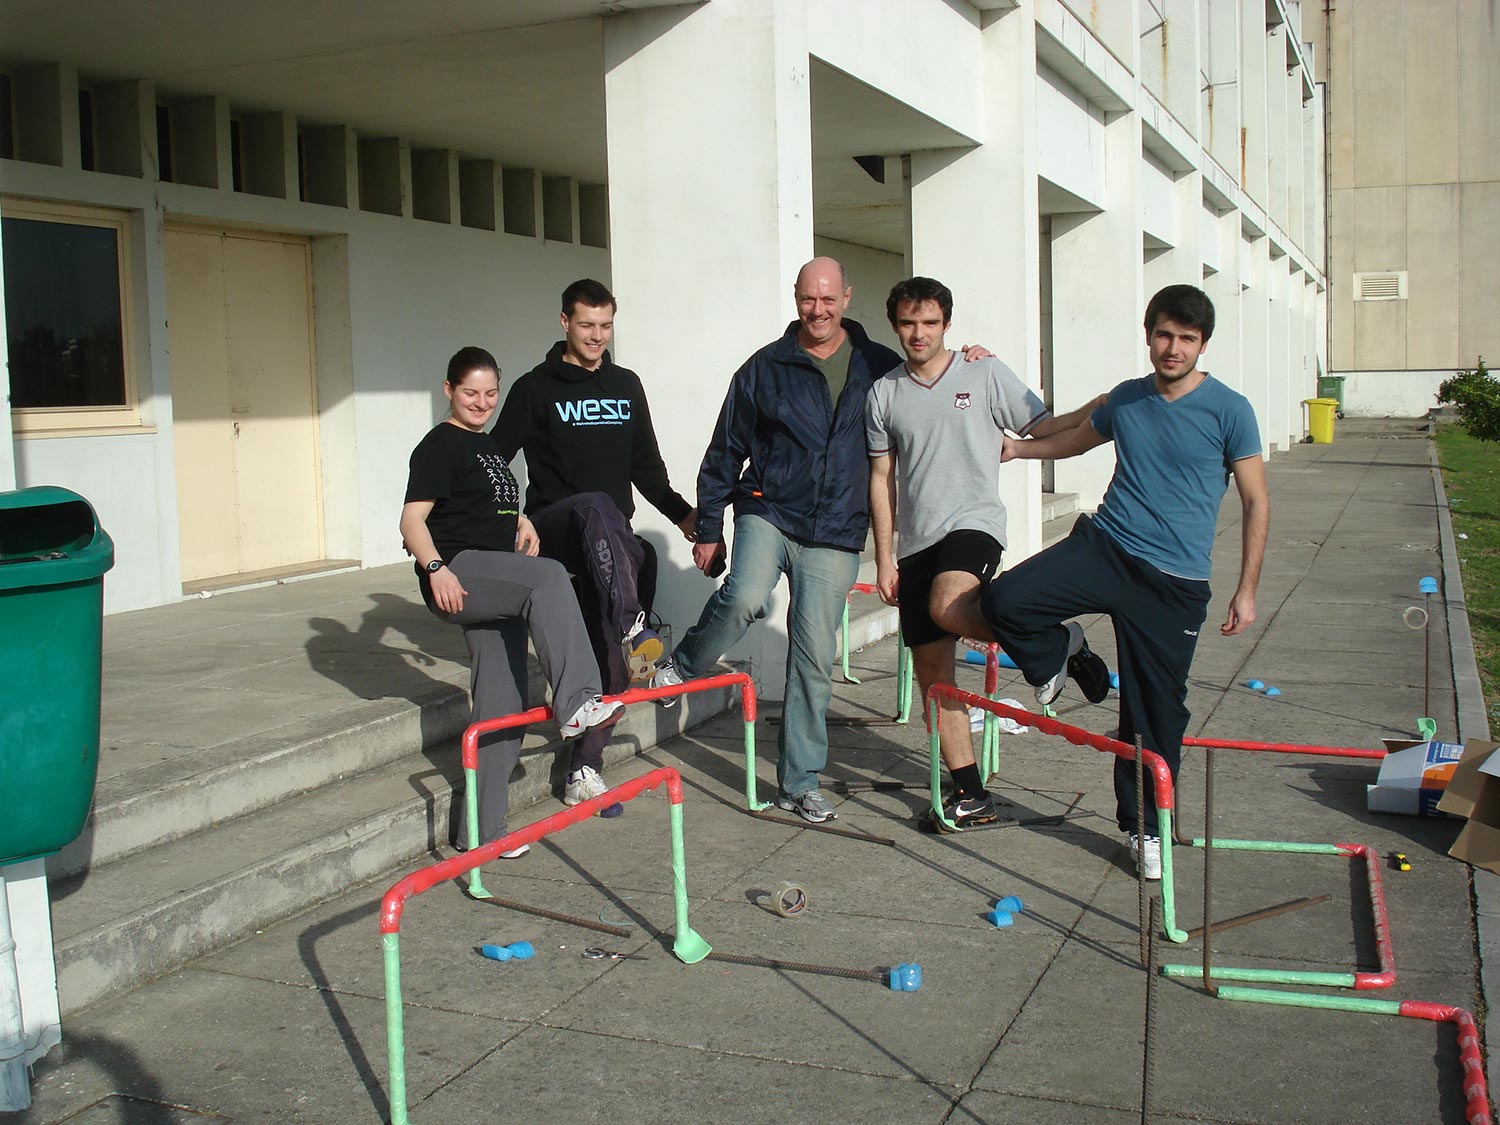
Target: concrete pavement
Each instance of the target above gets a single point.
(1041, 1022)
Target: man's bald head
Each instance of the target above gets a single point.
(827, 269)
(822, 294)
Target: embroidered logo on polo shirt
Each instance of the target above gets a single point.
(961, 400)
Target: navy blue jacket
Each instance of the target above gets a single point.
(808, 473)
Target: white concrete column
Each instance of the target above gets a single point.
(720, 93)
(1221, 122)
(1223, 288)
(1296, 358)
(1250, 167)
(1255, 319)
(1182, 263)
(1098, 300)
(1181, 73)
(1278, 425)
(988, 254)
(36, 966)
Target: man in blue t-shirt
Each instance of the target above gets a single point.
(1179, 435)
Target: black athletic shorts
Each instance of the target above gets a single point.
(973, 552)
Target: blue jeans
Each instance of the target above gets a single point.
(819, 579)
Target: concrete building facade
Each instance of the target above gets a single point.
(239, 250)
(1414, 194)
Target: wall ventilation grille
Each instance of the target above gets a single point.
(1386, 285)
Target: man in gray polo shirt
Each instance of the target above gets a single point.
(944, 420)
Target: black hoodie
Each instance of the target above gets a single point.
(585, 431)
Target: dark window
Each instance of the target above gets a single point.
(7, 121)
(301, 165)
(164, 143)
(86, 129)
(236, 155)
(62, 314)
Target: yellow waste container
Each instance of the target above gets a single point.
(1320, 418)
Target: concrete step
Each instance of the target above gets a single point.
(188, 855)
(1057, 505)
(122, 923)
(1053, 530)
(187, 793)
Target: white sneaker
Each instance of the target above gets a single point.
(583, 784)
(516, 853)
(666, 675)
(1047, 694)
(595, 712)
(1146, 851)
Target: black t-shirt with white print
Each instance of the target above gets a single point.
(475, 500)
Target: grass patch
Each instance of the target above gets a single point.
(1471, 475)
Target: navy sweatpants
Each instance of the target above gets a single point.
(1156, 617)
(589, 535)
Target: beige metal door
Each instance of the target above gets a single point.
(245, 416)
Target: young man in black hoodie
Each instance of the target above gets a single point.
(586, 430)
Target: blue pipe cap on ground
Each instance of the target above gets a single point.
(1010, 903)
(1114, 680)
(520, 950)
(1273, 691)
(1255, 685)
(1427, 585)
(905, 978)
(1000, 919)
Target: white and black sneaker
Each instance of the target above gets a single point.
(1088, 670)
(961, 813)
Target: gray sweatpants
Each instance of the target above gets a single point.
(510, 595)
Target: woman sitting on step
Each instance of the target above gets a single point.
(478, 567)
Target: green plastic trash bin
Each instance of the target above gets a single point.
(53, 555)
(1332, 386)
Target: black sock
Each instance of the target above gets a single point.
(966, 781)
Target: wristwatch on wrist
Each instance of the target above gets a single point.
(435, 565)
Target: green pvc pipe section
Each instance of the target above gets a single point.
(845, 645)
(1309, 999)
(689, 946)
(1168, 888)
(1290, 846)
(903, 680)
(395, 1032)
(1264, 976)
(471, 814)
(935, 780)
(752, 802)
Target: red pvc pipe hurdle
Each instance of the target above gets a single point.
(1476, 1090)
(688, 946)
(634, 695)
(1284, 748)
(1165, 792)
(1384, 953)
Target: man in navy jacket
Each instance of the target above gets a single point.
(796, 413)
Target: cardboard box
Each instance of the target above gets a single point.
(1474, 792)
(1413, 777)
(1465, 784)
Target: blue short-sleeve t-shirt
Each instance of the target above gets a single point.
(1173, 462)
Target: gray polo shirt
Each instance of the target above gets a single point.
(946, 437)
